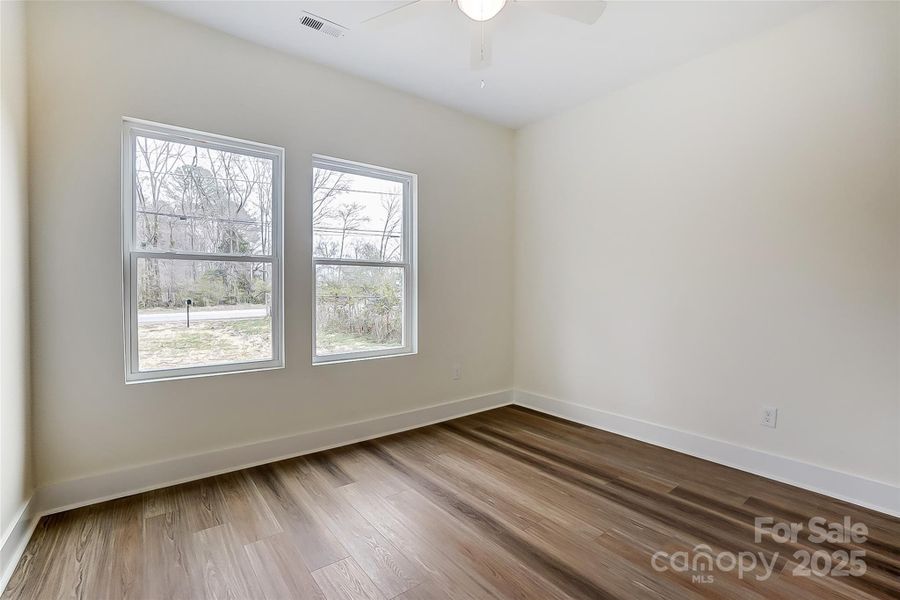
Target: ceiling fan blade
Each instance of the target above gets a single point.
(481, 45)
(583, 11)
(395, 16)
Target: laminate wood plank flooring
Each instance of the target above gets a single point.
(507, 503)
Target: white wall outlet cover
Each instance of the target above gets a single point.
(770, 416)
(457, 371)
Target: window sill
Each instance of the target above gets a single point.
(351, 359)
(176, 377)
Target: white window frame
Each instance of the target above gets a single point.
(410, 320)
(133, 128)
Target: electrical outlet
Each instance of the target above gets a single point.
(769, 417)
(457, 371)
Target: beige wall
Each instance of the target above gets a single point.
(15, 409)
(93, 63)
(725, 236)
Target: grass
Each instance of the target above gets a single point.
(173, 345)
(338, 342)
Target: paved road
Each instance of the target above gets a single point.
(203, 315)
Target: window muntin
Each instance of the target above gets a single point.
(202, 226)
(363, 261)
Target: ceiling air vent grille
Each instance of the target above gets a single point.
(322, 25)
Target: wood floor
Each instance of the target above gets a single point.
(503, 504)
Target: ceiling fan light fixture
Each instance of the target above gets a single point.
(481, 10)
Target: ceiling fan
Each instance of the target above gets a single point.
(482, 11)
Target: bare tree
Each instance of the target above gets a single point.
(261, 171)
(327, 185)
(350, 217)
(153, 164)
(393, 218)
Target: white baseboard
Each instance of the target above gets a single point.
(864, 492)
(14, 540)
(57, 497)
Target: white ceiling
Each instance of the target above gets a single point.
(541, 63)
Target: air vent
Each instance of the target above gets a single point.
(322, 25)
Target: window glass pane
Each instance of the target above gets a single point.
(358, 309)
(357, 217)
(230, 313)
(197, 199)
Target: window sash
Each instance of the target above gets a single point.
(132, 128)
(408, 264)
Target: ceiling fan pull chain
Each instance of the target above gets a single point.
(481, 48)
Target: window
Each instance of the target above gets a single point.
(202, 253)
(364, 269)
